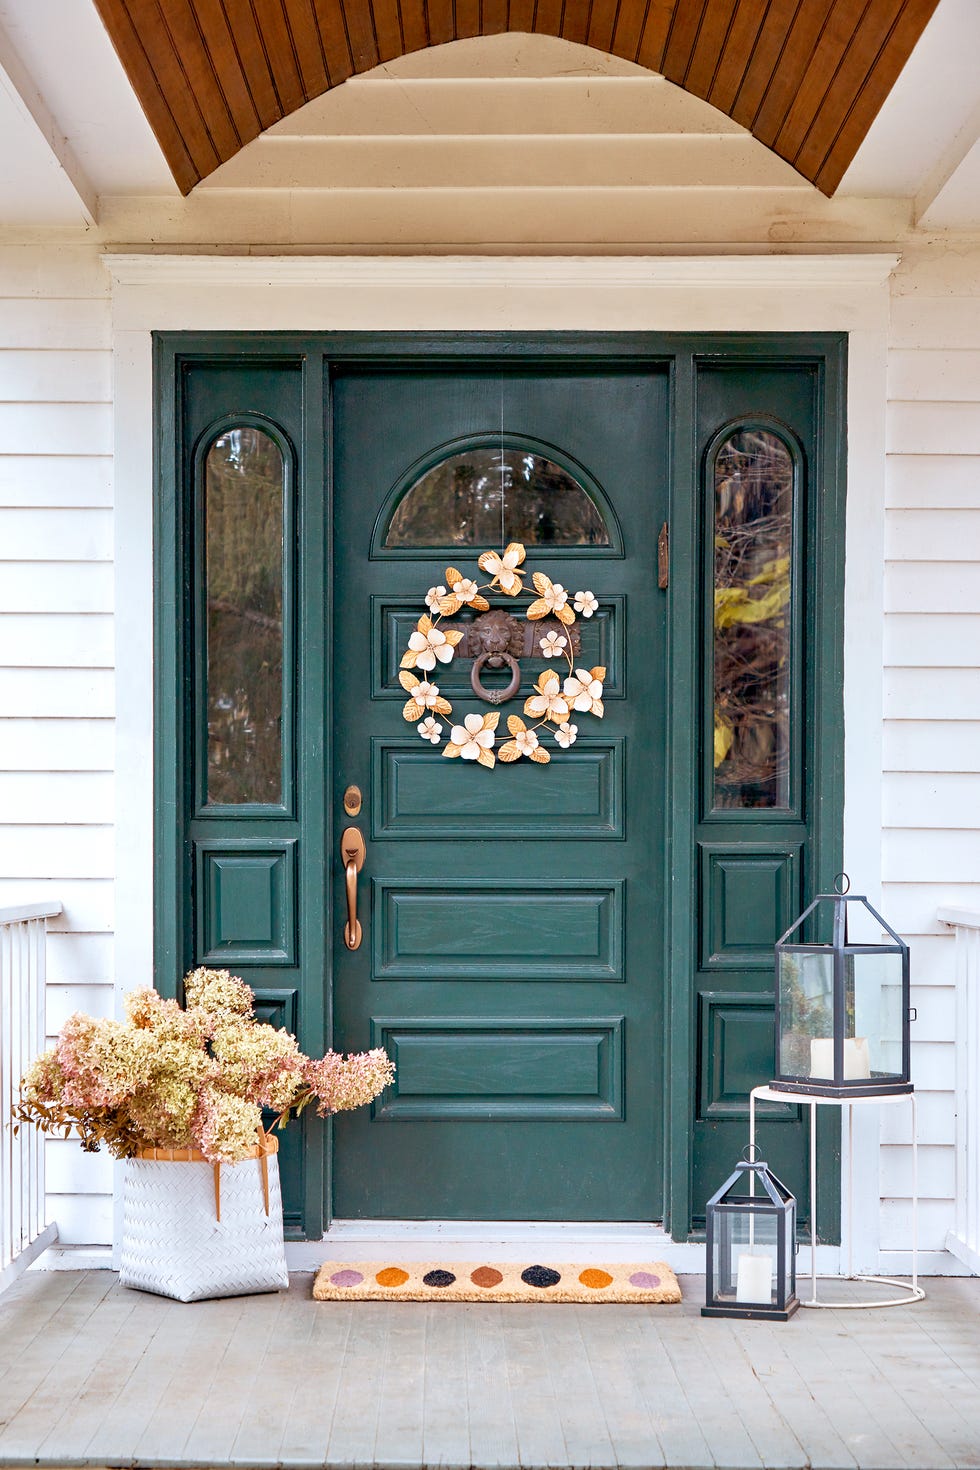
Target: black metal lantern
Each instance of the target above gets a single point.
(751, 1265)
(842, 1009)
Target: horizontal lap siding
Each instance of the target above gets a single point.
(57, 696)
(931, 780)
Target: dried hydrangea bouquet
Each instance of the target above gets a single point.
(179, 1093)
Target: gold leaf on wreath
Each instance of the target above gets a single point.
(565, 614)
(541, 582)
(453, 575)
(492, 720)
(508, 752)
(486, 758)
(413, 711)
(451, 751)
(540, 755)
(408, 681)
(599, 672)
(424, 624)
(454, 636)
(538, 609)
(515, 724)
(409, 659)
(449, 605)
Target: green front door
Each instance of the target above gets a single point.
(512, 960)
(570, 963)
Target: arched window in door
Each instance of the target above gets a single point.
(488, 494)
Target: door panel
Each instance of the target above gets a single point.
(513, 950)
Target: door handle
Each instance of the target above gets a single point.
(352, 855)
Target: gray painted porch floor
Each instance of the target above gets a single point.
(93, 1374)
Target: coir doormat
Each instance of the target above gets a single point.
(476, 1281)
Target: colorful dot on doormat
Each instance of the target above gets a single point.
(346, 1278)
(438, 1278)
(645, 1280)
(486, 1276)
(391, 1276)
(542, 1276)
(595, 1279)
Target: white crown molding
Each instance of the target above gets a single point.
(540, 272)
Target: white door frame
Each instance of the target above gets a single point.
(711, 293)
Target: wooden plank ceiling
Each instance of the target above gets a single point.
(806, 77)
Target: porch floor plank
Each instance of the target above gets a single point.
(94, 1375)
(445, 1428)
(533, 1396)
(307, 1416)
(489, 1407)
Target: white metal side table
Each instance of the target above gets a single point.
(911, 1293)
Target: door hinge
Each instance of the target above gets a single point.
(663, 556)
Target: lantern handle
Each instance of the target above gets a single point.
(751, 1149)
(842, 884)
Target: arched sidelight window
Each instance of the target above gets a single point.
(491, 494)
(753, 476)
(243, 523)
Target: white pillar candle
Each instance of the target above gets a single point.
(857, 1058)
(822, 1057)
(754, 1282)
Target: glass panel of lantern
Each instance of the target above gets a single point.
(842, 1009)
(751, 1256)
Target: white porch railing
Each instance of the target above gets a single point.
(24, 1233)
(963, 1241)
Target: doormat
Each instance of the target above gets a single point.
(475, 1281)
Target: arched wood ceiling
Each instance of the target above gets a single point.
(807, 77)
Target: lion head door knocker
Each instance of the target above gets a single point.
(494, 639)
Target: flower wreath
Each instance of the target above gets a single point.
(552, 703)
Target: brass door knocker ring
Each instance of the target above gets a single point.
(496, 660)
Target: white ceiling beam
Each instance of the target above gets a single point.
(947, 164)
(19, 86)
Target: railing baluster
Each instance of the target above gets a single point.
(23, 1232)
(964, 1239)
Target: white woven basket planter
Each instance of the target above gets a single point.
(193, 1230)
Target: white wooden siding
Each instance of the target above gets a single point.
(56, 649)
(931, 780)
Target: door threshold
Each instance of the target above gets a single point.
(590, 1242)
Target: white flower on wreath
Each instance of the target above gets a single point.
(465, 589)
(432, 598)
(526, 741)
(502, 567)
(584, 692)
(430, 646)
(555, 596)
(566, 735)
(552, 644)
(549, 703)
(586, 603)
(430, 730)
(426, 694)
(472, 737)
